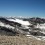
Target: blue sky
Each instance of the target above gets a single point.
(25, 8)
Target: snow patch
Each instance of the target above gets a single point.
(20, 21)
(6, 25)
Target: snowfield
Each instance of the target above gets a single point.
(20, 21)
(23, 23)
(41, 26)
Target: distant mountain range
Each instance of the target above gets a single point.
(26, 26)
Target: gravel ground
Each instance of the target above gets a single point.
(19, 40)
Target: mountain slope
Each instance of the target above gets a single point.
(34, 27)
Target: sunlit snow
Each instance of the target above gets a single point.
(20, 21)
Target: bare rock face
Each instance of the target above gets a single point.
(34, 27)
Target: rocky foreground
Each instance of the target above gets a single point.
(19, 40)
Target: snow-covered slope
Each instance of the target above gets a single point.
(20, 21)
(23, 23)
(31, 27)
(41, 26)
(6, 25)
